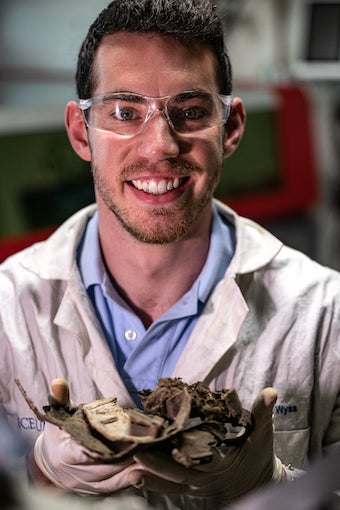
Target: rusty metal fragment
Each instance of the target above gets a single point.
(187, 421)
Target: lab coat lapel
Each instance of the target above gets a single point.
(75, 314)
(215, 332)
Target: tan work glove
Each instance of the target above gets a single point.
(65, 463)
(234, 470)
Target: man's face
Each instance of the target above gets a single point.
(158, 184)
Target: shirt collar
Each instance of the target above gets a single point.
(221, 250)
(90, 259)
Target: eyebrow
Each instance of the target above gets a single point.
(125, 96)
(190, 94)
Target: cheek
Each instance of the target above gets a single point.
(212, 153)
(106, 154)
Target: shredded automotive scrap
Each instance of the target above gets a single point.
(188, 421)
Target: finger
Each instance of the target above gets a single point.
(264, 404)
(144, 480)
(263, 415)
(162, 466)
(60, 391)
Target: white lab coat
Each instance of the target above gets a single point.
(274, 320)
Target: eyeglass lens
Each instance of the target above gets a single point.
(126, 114)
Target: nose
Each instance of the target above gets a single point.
(158, 141)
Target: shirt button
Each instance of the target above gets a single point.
(130, 335)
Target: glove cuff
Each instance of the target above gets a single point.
(278, 470)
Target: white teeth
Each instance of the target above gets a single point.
(153, 187)
(156, 187)
(176, 183)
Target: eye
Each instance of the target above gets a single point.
(125, 113)
(192, 113)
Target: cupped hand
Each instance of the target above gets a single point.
(70, 466)
(233, 471)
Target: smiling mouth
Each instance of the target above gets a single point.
(158, 187)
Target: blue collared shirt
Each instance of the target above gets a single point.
(142, 355)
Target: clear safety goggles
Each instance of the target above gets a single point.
(126, 113)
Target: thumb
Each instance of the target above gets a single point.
(60, 392)
(264, 404)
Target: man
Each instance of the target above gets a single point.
(159, 280)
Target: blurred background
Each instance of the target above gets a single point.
(286, 172)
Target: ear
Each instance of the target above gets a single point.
(76, 131)
(234, 127)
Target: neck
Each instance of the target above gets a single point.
(152, 277)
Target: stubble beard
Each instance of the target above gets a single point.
(165, 224)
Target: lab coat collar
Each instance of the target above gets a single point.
(56, 258)
(255, 246)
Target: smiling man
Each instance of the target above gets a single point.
(158, 279)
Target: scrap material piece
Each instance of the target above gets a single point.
(72, 421)
(187, 421)
(222, 409)
(116, 424)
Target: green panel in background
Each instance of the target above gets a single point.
(255, 164)
(42, 181)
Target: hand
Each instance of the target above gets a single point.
(234, 470)
(66, 463)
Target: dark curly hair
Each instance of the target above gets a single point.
(185, 20)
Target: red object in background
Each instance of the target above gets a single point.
(11, 245)
(298, 169)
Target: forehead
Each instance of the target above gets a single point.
(153, 65)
